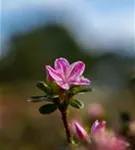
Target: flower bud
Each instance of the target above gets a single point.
(79, 131)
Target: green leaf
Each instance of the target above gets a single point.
(39, 99)
(42, 86)
(48, 108)
(78, 90)
(76, 104)
(83, 90)
(43, 98)
(53, 87)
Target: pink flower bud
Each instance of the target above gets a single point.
(79, 131)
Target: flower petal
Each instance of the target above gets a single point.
(76, 70)
(63, 85)
(97, 127)
(80, 81)
(84, 81)
(53, 73)
(62, 65)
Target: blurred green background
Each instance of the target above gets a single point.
(22, 64)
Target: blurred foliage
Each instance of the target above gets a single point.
(30, 51)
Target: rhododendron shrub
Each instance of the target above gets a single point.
(63, 81)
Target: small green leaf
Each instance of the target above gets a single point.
(39, 99)
(83, 90)
(78, 90)
(48, 108)
(76, 104)
(42, 86)
(43, 98)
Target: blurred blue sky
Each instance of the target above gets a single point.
(97, 23)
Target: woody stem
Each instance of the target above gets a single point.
(65, 122)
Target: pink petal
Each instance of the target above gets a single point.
(61, 64)
(53, 73)
(97, 127)
(63, 85)
(76, 70)
(84, 81)
(80, 81)
(48, 75)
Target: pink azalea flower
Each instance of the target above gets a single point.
(80, 131)
(66, 75)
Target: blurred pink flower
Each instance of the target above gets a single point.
(79, 131)
(95, 110)
(65, 74)
(106, 140)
